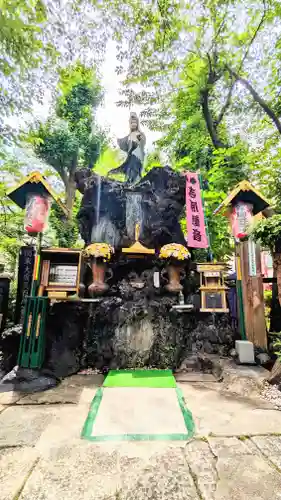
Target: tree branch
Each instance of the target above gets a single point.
(254, 36)
(231, 88)
(214, 42)
(205, 94)
(258, 99)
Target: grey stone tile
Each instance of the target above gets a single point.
(229, 446)
(202, 464)
(15, 465)
(270, 446)
(74, 472)
(247, 477)
(165, 477)
(68, 391)
(22, 426)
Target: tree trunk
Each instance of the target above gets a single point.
(217, 143)
(277, 270)
(70, 189)
(275, 375)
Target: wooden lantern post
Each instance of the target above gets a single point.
(241, 205)
(32, 344)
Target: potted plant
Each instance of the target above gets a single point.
(174, 254)
(99, 254)
(268, 233)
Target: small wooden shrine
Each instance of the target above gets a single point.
(212, 287)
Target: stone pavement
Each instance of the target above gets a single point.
(234, 455)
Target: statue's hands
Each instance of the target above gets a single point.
(141, 136)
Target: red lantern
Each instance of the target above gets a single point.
(37, 212)
(241, 216)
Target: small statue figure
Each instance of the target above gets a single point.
(133, 144)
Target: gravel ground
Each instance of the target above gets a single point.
(272, 394)
(89, 371)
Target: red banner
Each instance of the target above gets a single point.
(196, 231)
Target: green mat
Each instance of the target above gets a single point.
(140, 378)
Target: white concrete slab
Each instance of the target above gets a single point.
(139, 411)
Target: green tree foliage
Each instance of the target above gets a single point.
(66, 230)
(152, 160)
(22, 50)
(20, 24)
(37, 38)
(268, 233)
(11, 218)
(190, 147)
(109, 159)
(70, 139)
(201, 67)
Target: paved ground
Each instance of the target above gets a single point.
(234, 455)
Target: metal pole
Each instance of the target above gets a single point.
(36, 265)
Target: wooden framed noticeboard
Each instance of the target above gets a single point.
(60, 272)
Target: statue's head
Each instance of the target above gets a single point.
(133, 121)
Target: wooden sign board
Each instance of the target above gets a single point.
(252, 258)
(63, 275)
(60, 272)
(25, 271)
(212, 274)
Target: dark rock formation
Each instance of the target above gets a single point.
(14, 378)
(9, 347)
(132, 328)
(27, 380)
(64, 334)
(106, 204)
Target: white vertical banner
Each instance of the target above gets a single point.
(156, 279)
(252, 258)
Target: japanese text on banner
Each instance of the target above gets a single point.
(196, 231)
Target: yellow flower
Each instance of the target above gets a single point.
(99, 250)
(174, 250)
